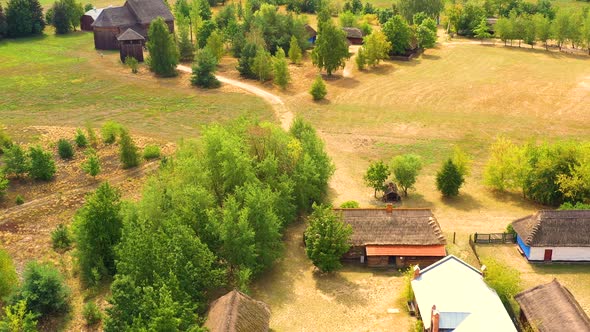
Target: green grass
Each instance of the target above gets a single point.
(62, 80)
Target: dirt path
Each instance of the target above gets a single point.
(353, 49)
(282, 112)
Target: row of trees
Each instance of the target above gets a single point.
(65, 15)
(21, 18)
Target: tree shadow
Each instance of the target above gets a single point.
(341, 81)
(515, 199)
(416, 200)
(335, 286)
(430, 56)
(463, 201)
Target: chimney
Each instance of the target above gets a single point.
(389, 208)
(434, 319)
(416, 271)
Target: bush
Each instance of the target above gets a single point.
(60, 238)
(350, 205)
(8, 277)
(92, 314)
(65, 149)
(151, 152)
(92, 165)
(19, 200)
(16, 160)
(128, 151)
(132, 63)
(44, 289)
(449, 179)
(318, 89)
(5, 140)
(405, 169)
(92, 139)
(504, 279)
(18, 319)
(109, 131)
(4, 182)
(204, 70)
(80, 139)
(42, 164)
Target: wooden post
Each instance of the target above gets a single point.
(454, 233)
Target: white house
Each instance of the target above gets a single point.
(451, 295)
(560, 235)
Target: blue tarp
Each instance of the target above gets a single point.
(526, 249)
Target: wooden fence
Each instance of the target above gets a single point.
(494, 238)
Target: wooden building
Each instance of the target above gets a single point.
(88, 18)
(134, 14)
(394, 237)
(551, 308)
(131, 44)
(560, 235)
(237, 312)
(354, 36)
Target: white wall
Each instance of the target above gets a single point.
(561, 253)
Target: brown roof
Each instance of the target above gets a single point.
(398, 227)
(130, 34)
(560, 228)
(310, 31)
(551, 308)
(133, 12)
(114, 17)
(237, 312)
(353, 32)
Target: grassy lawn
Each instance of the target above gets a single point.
(55, 80)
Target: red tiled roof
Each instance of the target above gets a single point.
(406, 250)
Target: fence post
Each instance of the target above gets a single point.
(454, 233)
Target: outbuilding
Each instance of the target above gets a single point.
(311, 34)
(549, 236)
(88, 18)
(237, 312)
(131, 45)
(394, 237)
(354, 36)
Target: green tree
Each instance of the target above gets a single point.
(376, 48)
(350, 205)
(4, 182)
(75, 10)
(405, 169)
(18, 319)
(361, 59)
(505, 280)
(204, 70)
(205, 30)
(92, 139)
(482, 30)
(348, 20)
(561, 27)
(8, 276)
(65, 149)
(162, 48)
(3, 24)
(246, 59)
(449, 179)
(542, 28)
(331, 48)
(585, 33)
(294, 51)
(42, 164)
(530, 33)
(128, 150)
(44, 289)
(24, 18)
(425, 35)
(281, 69)
(5, 139)
(60, 238)
(327, 238)
(97, 229)
(16, 161)
(132, 63)
(109, 131)
(462, 161)
(186, 49)
(215, 44)
(80, 138)
(59, 18)
(502, 29)
(409, 8)
(376, 175)
(507, 166)
(318, 89)
(262, 65)
(398, 33)
(92, 164)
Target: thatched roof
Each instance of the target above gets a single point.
(114, 17)
(310, 31)
(561, 228)
(132, 13)
(551, 308)
(398, 227)
(353, 32)
(130, 34)
(237, 312)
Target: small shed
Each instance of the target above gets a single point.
(237, 312)
(551, 308)
(311, 34)
(88, 18)
(131, 44)
(354, 36)
(391, 194)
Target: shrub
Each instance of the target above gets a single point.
(65, 149)
(318, 89)
(350, 205)
(19, 200)
(449, 179)
(5, 140)
(92, 314)
(8, 277)
(42, 164)
(60, 238)
(3, 183)
(109, 131)
(504, 279)
(132, 63)
(92, 139)
(151, 152)
(16, 161)
(405, 169)
(204, 70)
(18, 319)
(44, 289)
(294, 51)
(92, 165)
(80, 139)
(128, 151)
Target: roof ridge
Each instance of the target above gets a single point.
(530, 239)
(446, 259)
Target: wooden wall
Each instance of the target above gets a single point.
(106, 38)
(86, 23)
(133, 49)
(377, 261)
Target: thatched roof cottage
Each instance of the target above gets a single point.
(560, 235)
(354, 36)
(237, 312)
(394, 237)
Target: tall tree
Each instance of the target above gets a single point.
(8, 276)
(215, 45)
(398, 33)
(376, 175)
(561, 27)
(405, 169)
(98, 229)
(327, 238)
(205, 30)
(163, 51)
(585, 35)
(294, 51)
(530, 31)
(42, 164)
(426, 33)
(60, 19)
(204, 70)
(127, 150)
(502, 29)
(262, 65)
(16, 161)
(186, 49)
(542, 28)
(376, 48)
(331, 49)
(281, 69)
(75, 10)
(449, 179)
(482, 30)
(24, 18)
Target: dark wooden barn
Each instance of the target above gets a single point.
(135, 14)
(131, 44)
(88, 18)
(354, 36)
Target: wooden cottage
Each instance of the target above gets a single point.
(551, 308)
(134, 14)
(88, 18)
(131, 44)
(390, 194)
(554, 235)
(354, 36)
(237, 312)
(311, 34)
(394, 237)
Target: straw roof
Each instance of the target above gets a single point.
(551, 307)
(114, 17)
(310, 31)
(400, 226)
(237, 312)
(130, 34)
(132, 13)
(561, 228)
(353, 32)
